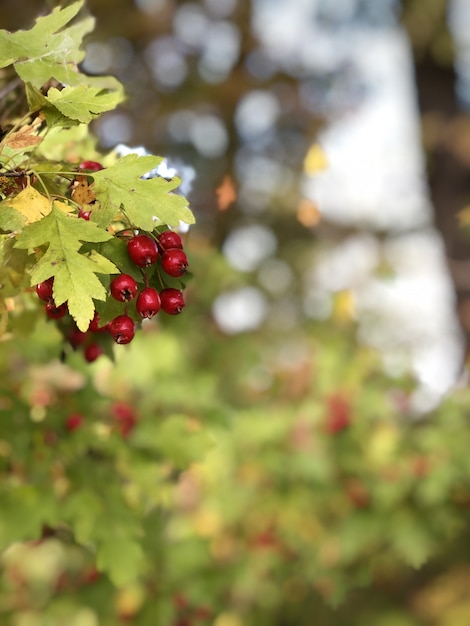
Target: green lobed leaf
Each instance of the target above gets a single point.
(173, 440)
(13, 158)
(47, 50)
(73, 105)
(110, 308)
(38, 102)
(416, 553)
(62, 144)
(11, 219)
(80, 510)
(83, 103)
(12, 266)
(25, 509)
(122, 559)
(75, 280)
(101, 263)
(146, 202)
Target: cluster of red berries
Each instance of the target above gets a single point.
(144, 250)
(338, 417)
(123, 419)
(187, 613)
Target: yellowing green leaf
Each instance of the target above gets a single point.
(315, 160)
(382, 444)
(344, 306)
(26, 137)
(146, 202)
(228, 619)
(47, 50)
(33, 205)
(81, 192)
(75, 280)
(30, 203)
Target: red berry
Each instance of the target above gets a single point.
(56, 312)
(90, 575)
(92, 352)
(420, 466)
(63, 583)
(125, 417)
(148, 302)
(143, 250)
(93, 166)
(76, 337)
(338, 416)
(122, 329)
(94, 326)
(180, 600)
(357, 493)
(44, 289)
(123, 288)
(172, 301)
(174, 262)
(169, 239)
(50, 438)
(73, 421)
(84, 215)
(202, 613)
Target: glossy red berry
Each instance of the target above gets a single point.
(123, 288)
(125, 417)
(92, 166)
(84, 215)
(174, 262)
(172, 301)
(44, 289)
(142, 250)
(74, 421)
(148, 302)
(56, 312)
(169, 239)
(95, 324)
(122, 329)
(76, 337)
(92, 352)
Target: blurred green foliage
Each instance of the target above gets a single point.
(247, 490)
